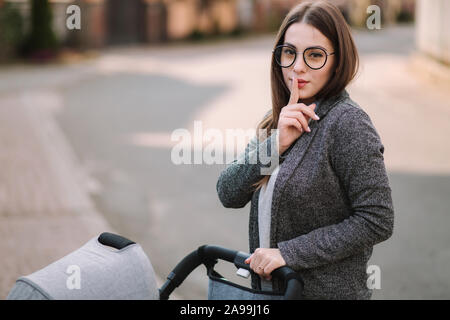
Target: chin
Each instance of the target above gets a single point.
(305, 95)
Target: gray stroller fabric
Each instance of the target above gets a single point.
(218, 290)
(92, 272)
(24, 290)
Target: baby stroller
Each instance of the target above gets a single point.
(112, 267)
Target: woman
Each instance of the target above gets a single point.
(329, 202)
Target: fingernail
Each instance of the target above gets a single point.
(309, 130)
(317, 117)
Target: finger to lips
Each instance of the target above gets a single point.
(294, 92)
(293, 100)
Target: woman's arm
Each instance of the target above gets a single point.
(357, 158)
(234, 185)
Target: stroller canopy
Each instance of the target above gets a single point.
(94, 271)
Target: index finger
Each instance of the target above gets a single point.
(294, 92)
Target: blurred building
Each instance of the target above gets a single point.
(432, 56)
(105, 22)
(433, 29)
(392, 11)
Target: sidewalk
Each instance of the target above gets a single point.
(45, 212)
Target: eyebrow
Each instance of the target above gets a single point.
(291, 45)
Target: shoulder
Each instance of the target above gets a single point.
(347, 115)
(351, 126)
(348, 110)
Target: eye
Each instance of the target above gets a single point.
(289, 51)
(316, 55)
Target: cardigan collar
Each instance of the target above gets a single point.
(323, 106)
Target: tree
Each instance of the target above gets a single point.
(41, 41)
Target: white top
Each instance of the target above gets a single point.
(264, 218)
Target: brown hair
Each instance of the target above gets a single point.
(327, 18)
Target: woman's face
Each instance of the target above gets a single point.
(302, 36)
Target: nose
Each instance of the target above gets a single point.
(300, 65)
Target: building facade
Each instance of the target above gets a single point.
(109, 22)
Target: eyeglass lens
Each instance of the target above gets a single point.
(315, 58)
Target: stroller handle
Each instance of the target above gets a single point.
(114, 240)
(208, 255)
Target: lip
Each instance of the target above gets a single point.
(302, 81)
(302, 84)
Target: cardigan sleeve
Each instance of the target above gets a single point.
(234, 185)
(357, 159)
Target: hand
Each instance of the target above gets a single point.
(263, 261)
(293, 119)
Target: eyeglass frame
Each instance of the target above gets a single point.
(303, 55)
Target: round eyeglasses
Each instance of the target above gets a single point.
(314, 57)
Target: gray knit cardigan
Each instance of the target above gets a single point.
(331, 201)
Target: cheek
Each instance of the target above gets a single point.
(328, 69)
(285, 76)
(323, 75)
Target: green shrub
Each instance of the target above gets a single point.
(196, 35)
(11, 31)
(404, 17)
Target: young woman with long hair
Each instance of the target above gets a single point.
(328, 202)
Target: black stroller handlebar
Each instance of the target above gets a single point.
(208, 255)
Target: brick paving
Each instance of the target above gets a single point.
(44, 213)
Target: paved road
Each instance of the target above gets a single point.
(120, 110)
